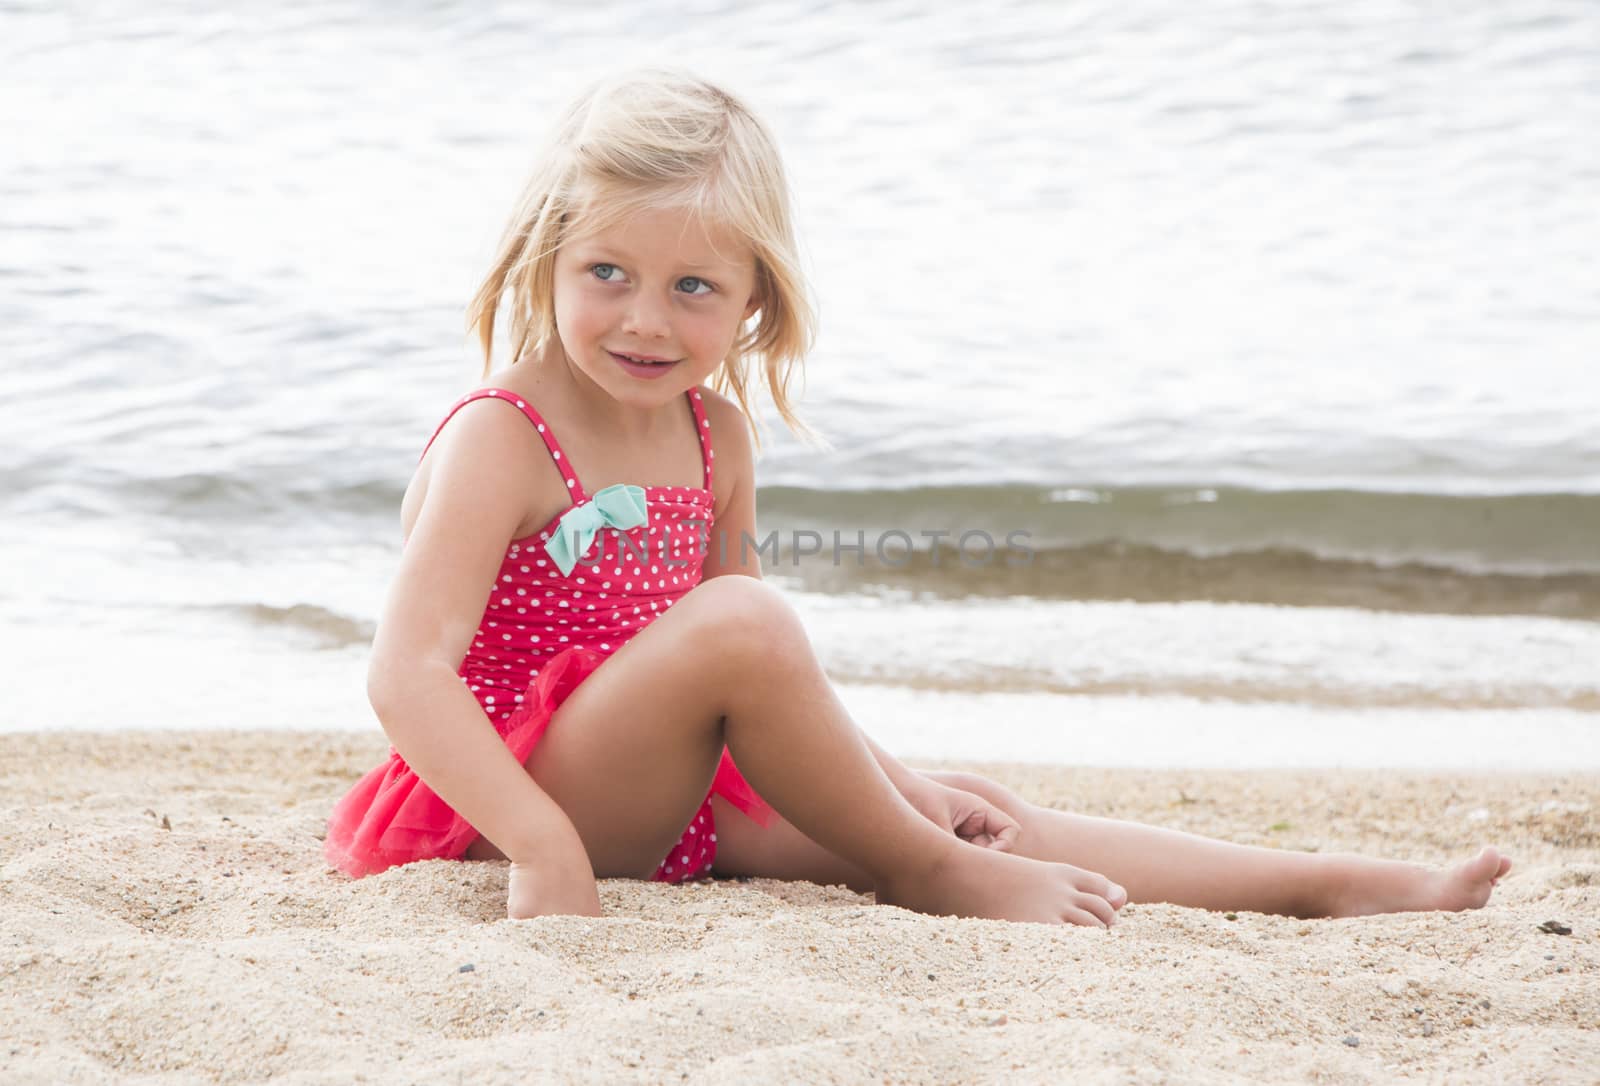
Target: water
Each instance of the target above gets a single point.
(1274, 326)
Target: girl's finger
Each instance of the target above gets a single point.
(1008, 829)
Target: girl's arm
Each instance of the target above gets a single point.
(477, 495)
(732, 541)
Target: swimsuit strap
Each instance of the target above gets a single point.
(562, 465)
(702, 428)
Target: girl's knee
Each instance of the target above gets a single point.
(742, 612)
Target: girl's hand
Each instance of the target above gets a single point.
(544, 888)
(970, 817)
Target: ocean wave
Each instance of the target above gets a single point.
(1140, 573)
(1527, 534)
(325, 628)
(1423, 552)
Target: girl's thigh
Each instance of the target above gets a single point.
(778, 851)
(631, 753)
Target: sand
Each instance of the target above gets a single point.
(165, 916)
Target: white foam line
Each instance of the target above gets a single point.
(1182, 733)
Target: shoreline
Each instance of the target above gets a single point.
(167, 912)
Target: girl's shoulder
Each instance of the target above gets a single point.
(468, 412)
(476, 439)
(727, 418)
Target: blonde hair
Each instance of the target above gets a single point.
(656, 139)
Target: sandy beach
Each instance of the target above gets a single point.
(166, 916)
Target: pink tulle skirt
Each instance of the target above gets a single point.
(391, 817)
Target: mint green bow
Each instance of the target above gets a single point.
(618, 506)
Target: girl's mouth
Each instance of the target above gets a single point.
(639, 367)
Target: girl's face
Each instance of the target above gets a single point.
(663, 287)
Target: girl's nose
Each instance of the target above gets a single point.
(646, 316)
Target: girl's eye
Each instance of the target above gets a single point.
(696, 283)
(606, 273)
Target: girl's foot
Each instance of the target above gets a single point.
(1363, 886)
(981, 882)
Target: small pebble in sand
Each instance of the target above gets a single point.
(1555, 927)
(468, 968)
(1352, 1040)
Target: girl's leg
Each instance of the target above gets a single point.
(778, 851)
(631, 753)
(1151, 863)
(1156, 864)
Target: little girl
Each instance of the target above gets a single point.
(579, 665)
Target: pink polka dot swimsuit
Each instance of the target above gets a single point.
(542, 632)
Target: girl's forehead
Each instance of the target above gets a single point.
(679, 234)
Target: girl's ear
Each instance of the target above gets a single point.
(758, 291)
(757, 296)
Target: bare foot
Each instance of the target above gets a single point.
(980, 882)
(1365, 886)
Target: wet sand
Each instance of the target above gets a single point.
(165, 912)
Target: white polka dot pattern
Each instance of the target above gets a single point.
(535, 612)
(544, 610)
